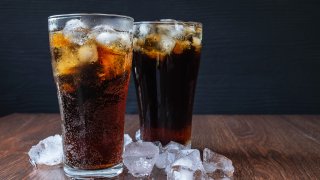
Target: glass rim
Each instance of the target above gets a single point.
(169, 22)
(89, 14)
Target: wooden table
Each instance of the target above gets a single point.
(260, 146)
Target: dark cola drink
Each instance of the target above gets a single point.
(165, 66)
(92, 73)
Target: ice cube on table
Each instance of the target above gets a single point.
(138, 135)
(47, 152)
(189, 159)
(188, 165)
(166, 158)
(139, 157)
(127, 140)
(159, 145)
(179, 172)
(76, 31)
(213, 162)
(174, 145)
(161, 161)
(168, 154)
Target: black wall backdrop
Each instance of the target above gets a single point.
(258, 56)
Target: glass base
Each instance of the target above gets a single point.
(100, 173)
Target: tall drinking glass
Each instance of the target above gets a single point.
(166, 60)
(91, 60)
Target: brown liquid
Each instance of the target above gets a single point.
(165, 91)
(93, 120)
(92, 97)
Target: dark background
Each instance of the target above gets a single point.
(259, 56)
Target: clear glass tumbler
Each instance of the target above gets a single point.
(166, 59)
(91, 61)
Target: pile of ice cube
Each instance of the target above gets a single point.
(178, 161)
(78, 44)
(79, 33)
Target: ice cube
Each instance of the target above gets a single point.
(88, 53)
(76, 31)
(95, 31)
(174, 30)
(187, 165)
(179, 172)
(161, 161)
(121, 39)
(169, 154)
(181, 46)
(53, 25)
(158, 144)
(125, 40)
(174, 145)
(178, 31)
(190, 30)
(107, 38)
(127, 140)
(137, 135)
(213, 161)
(190, 159)
(101, 28)
(166, 44)
(196, 41)
(47, 152)
(67, 62)
(139, 157)
(166, 158)
(186, 162)
(144, 30)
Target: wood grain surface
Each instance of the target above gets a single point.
(259, 56)
(260, 146)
